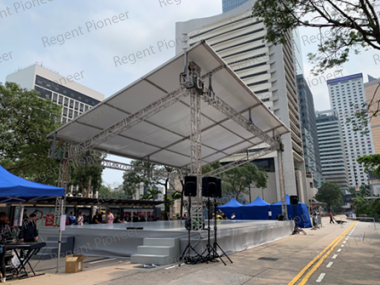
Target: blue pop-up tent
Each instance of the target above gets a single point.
(256, 210)
(14, 189)
(232, 206)
(301, 212)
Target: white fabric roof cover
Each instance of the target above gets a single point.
(165, 136)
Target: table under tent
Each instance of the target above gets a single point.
(232, 206)
(256, 210)
(14, 189)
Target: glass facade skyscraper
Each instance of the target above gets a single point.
(229, 5)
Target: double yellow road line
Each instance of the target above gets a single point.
(317, 261)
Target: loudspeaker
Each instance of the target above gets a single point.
(293, 200)
(211, 187)
(190, 186)
(218, 188)
(208, 186)
(279, 217)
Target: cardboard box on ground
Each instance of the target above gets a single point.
(74, 263)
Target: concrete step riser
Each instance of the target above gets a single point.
(159, 242)
(141, 259)
(170, 251)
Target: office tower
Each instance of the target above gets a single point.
(370, 89)
(74, 97)
(309, 131)
(331, 148)
(344, 92)
(229, 5)
(268, 70)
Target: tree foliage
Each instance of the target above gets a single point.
(352, 25)
(368, 207)
(26, 119)
(87, 175)
(370, 163)
(235, 181)
(329, 193)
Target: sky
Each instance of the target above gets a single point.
(73, 36)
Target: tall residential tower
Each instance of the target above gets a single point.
(344, 93)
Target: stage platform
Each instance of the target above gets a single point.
(114, 240)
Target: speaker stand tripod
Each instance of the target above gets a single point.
(212, 252)
(186, 254)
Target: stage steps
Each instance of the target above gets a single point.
(160, 251)
(51, 249)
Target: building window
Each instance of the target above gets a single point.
(76, 105)
(75, 114)
(55, 97)
(60, 100)
(70, 113)
(86, 108)
(81, 107)
(71, 103)
(66, 101)
(65, 111)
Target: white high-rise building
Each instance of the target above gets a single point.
(66, 91)
(344, 92)
(268, 70)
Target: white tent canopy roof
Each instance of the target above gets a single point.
(165, 137)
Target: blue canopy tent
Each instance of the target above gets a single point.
(232, 206)
(257, 210)
(301, 212)
(14, 189)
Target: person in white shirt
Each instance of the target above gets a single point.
(233, 216)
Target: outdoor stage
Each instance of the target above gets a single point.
(115, 241)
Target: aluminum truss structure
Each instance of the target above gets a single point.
(239, 162)
(191, 83)
(232, 114)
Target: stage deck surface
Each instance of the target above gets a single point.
(115, 240)
(177, 225)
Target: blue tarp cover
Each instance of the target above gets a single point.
(14, 189)
(232, 206)
(256, 210)
(301, 209)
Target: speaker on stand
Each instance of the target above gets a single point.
(190, 190)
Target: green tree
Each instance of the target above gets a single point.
(87, 174)
(368, 207)
(151, 194)
(352, 25)
(365, 190)
(370, 163)
(330, 193)
(26, 119)
(235, 181)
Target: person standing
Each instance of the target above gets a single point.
(110, 217)
(97, 219)
(72, 219)
(29, 232)
(135, 218)
(80, 219)
(117, 219)
(5, 233)
(270, 214)
(331, 218)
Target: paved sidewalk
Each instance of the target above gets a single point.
(287, 257)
